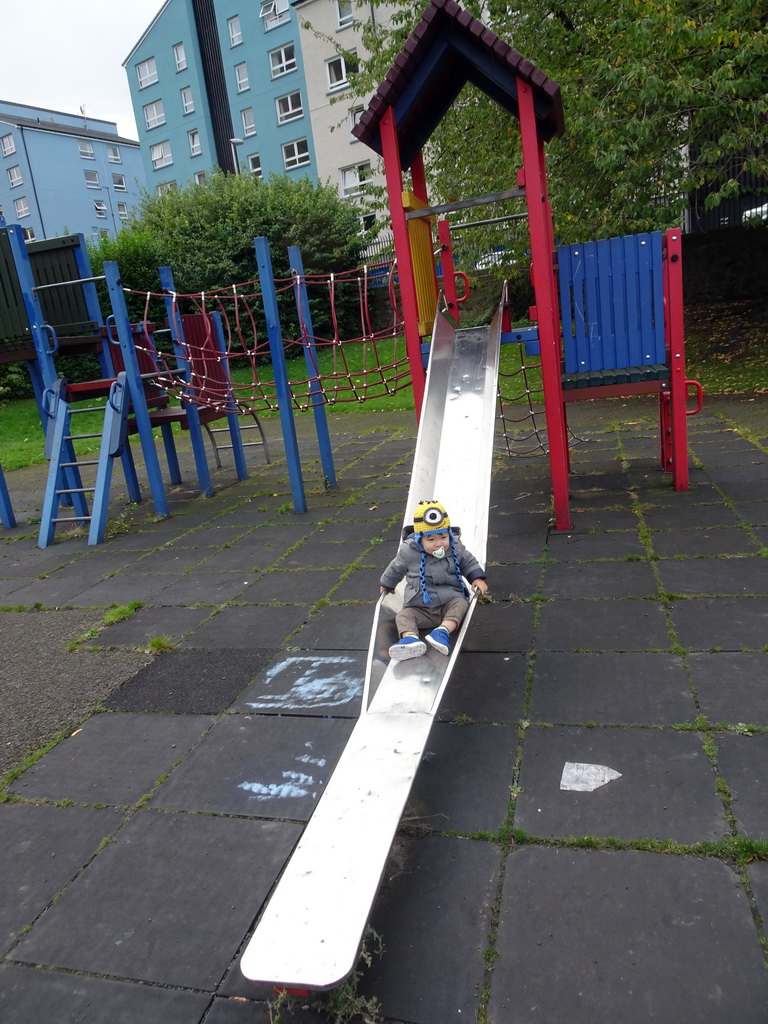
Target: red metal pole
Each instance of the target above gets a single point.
(394, 177)
(673, 315)
(546, 311)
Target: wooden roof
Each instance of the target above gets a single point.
(447, 49)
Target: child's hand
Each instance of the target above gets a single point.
(383, 590)
(480, 587)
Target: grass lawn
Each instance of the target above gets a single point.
(726, 350)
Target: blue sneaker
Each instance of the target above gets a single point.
(407, 647)
(440, 639)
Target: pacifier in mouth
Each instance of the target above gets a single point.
(439, 552)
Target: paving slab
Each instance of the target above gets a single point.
(120, 590)
(666, 789)
(312, 554)
(290, 586)
(337, 627)
(753, 512)
(194, 682)
(754, 489)
(731, 686)
(587, 547)
(112, 758)
(260, 766)
(738, 576)
(691, 517)
(464, 779)
(247, 626)
(236, 1010)
(601, 520)
(599, 579)
(631, 688)
(28, 996)
(758, 880)
(743, 763)
(514, 582)
(168, 901)
(41, 849)
(597, 936)
(602, 625)
(732, 623)
(486, 687)
(433, 914)
(501, 626)
(528, 547)
(725, 540)
(206, 588)
(308, 684)
(147, 623)
(247, 554)
(360, 585)
(174, 560)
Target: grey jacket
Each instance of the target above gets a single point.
(439, 573)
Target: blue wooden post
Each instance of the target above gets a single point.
(7, 517)
(136, 388)
(285, 402)
(91, 296)
(310, 358)
(192, 411)
(233, 419)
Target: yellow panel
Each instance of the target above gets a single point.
(422, 255)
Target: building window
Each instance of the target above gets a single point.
(352, 178)
(14, 176)
(354, 119)
(166, 186)
(338, 70)
(249, 125)
(179, 56)
(22, 207)
(161, 155)
(187, 103)
(100, 208)
(154, 114)
(8, 145)
(282, 60)
(274, 13)
(113, 155)
(289, 107)
(86, 149)
(122, 211)
(344, 13)
(146, 72)
(295, 154)
(118, 183)
(241, 77)
(29, 234)
(235, 32)
(254, 165)
(92, 179)
(200, 178)
(195, 149)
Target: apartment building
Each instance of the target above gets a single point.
(64, 173)
(249, 88)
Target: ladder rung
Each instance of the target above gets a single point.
(80, 437)
(73, 519)
(75, 490)
(90, 408)
(85, 462)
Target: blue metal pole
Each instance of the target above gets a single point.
(136, 388)
(6, 509)
(310, 358)
(285, 402)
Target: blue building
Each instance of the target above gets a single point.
(65, 173)
(219, 84)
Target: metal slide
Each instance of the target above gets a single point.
(310, 933)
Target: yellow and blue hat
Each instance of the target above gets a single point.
(430, 517)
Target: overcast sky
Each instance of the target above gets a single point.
(64, 54)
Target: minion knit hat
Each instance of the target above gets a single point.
(430, 517)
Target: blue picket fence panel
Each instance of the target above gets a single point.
(612, 303)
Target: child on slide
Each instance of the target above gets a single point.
(433, 560)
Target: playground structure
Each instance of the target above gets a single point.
(622, 334)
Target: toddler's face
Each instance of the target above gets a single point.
(433, 541)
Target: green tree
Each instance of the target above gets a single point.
(205, 234)
(661, 97)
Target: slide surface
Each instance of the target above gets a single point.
(310, 933)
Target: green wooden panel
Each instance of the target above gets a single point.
(14, 325)
(65, 309)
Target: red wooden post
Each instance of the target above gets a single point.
(545, 289)
(394, 177)
(449, 271)
(673, 311)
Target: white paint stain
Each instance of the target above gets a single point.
(295, 786)
(318, 684)
(585, 778)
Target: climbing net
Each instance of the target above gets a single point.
(346, 341)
